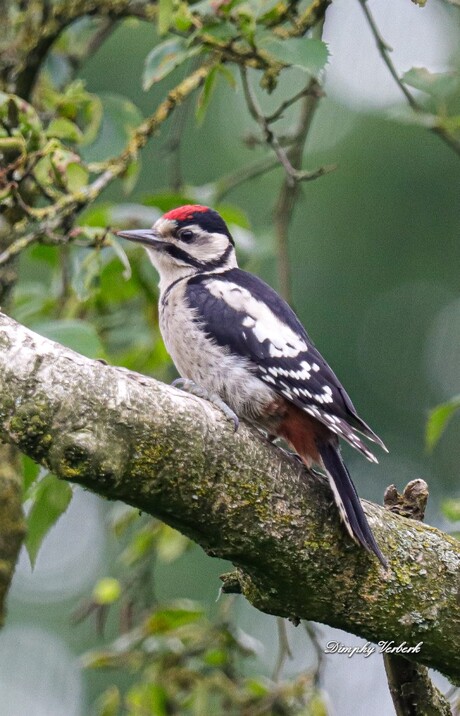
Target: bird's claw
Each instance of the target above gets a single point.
(189, 386)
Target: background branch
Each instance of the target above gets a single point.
(384, 50)
(131, 438)
(410, 685)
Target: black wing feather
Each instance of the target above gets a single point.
(226, 326)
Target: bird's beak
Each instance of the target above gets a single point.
(147, 237)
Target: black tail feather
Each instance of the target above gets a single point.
(347, 499)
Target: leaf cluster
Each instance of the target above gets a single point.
(184, 663)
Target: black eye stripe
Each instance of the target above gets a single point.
(187, 258)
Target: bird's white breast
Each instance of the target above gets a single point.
(199, 358)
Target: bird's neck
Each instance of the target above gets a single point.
(171, 273)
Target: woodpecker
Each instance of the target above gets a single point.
(235, 341)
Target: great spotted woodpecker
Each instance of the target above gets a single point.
(235, 339)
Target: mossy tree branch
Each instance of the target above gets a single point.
(11, 519)
(131, 438)
(12, 526)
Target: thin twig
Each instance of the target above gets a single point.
(384, 50)
(284, 650)
(17, 246)
(269, 136)
(319, 652)
(310, 18)
(293, 175)
(289, 192)
(230, 181)
(290, 159)
(287, 103)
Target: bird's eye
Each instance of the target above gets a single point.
(186, 235)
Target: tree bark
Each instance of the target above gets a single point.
(411, 689)
(12, 527)
(128, 437)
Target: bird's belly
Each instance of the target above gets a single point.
(198, 358)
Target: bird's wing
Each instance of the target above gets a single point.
(242, 313)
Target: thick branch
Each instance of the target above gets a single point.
(131, 438)
(12, 527)
(11, 519)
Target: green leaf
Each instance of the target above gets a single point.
(130, 176)
(121, 254)
(246, 23)
(119, 118)
(76, 176)
(309, 54)
(87, 265)
(209, 86)
(257, 687)
(170, 544)
(165, 15)
(96, 215)
(32, 301)
(108, 704)
(451, 509)
(168, 200)
(51, 499)
(215, 657)
(234, 215)
(63, 128)
(76, 334)
(166, 620)
(139, 546)
(148, 698)
(438, 420)
(270, 12)
(163, 59)
(224, 31)
(439, 85)
(205, 95)
(30, 472)
(183, 18)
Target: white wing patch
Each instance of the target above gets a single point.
(283, 342)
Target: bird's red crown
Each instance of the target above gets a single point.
(185, 212)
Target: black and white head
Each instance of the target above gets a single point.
(187, 240)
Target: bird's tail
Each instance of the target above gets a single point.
(347, 499)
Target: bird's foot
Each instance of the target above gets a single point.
(189, 386)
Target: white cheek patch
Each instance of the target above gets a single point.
(283, 341)
(206, 249)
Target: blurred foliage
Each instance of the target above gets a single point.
(62, 146)
(184, 664)
(179, 661)
(438, 420)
